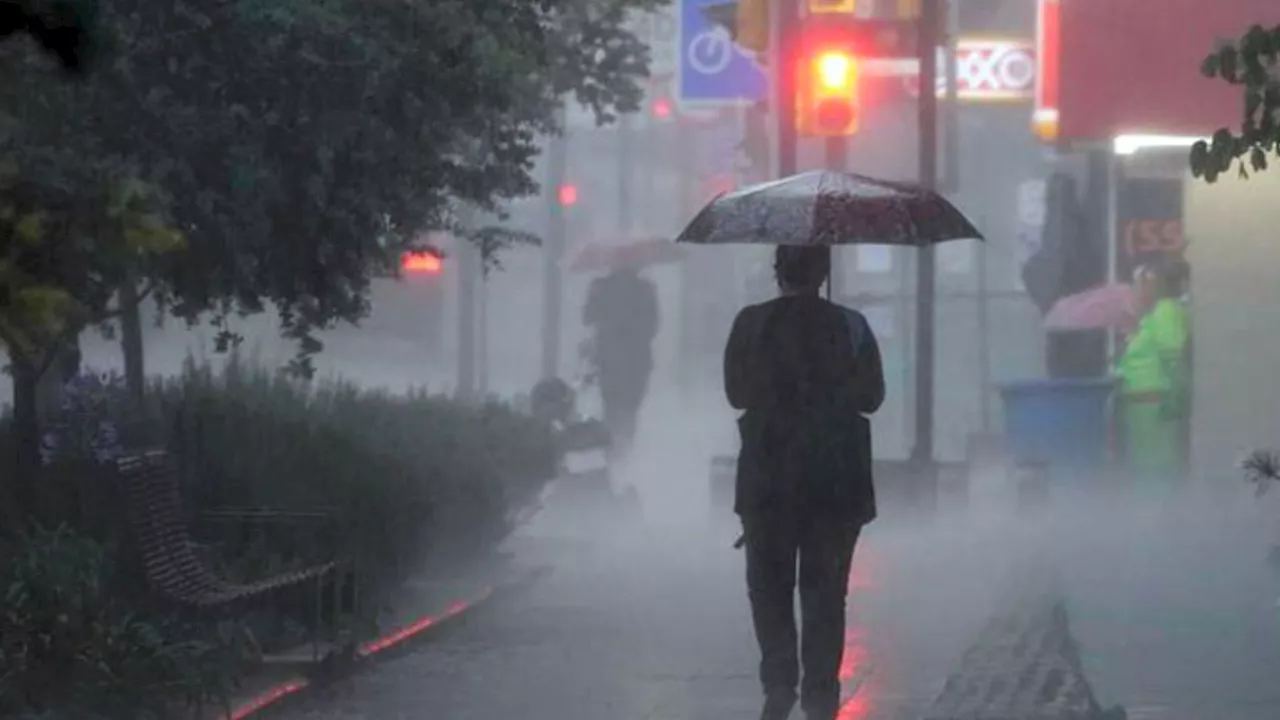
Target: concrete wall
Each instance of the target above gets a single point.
(1234, 232)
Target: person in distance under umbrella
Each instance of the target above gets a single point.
(622, 311)
(805, 372)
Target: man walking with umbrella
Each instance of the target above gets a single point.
(804, 371)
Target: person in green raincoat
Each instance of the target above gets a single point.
(1154, 378)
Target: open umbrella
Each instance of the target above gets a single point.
(829, 208)
(1109, 307)
(602, 257)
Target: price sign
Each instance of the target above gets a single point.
(1149, 213)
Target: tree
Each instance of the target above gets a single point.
(301, 144)
(71, 232)
(1250, 64)
(289, 131)
(61, 28)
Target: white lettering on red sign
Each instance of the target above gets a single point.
(986, 70)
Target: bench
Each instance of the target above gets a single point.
(172, 569)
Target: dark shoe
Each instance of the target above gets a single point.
(777, 707)
(821, 711)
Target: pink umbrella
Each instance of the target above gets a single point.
(602, 257)
(1108, 307)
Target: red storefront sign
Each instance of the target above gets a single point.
(1126, 67)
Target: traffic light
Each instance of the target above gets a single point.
(421, 262)
(832, 7)
(827, 91)
(662, 108)
(567, 195)
(752, 26)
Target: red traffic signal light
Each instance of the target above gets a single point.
(421, 262)
(827, 93)
(567, 195)
(662, 108)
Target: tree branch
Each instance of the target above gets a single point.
(113, 313)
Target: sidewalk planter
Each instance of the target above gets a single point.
(1063, 424)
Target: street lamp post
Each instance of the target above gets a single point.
(922, 453)
(553, 251)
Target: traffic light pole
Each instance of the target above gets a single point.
(553, 251)
(930, 24)
(786, 23)
(835, 151)
(951, 127)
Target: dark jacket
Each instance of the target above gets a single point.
(805, 372)
(622, 309)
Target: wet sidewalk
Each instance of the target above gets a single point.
(655, 626)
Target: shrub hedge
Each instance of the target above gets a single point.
(410, 478)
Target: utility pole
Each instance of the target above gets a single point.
(468, 270)
(626, 172)
(553, 250)
(984, 338)
(482, 328)
(930, 24)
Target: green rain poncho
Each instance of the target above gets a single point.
(1154, 399)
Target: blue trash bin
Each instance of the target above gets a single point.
(1063, 423)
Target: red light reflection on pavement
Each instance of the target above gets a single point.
(271, 696)
(857, 707)
(408, 631)
(370, 648)
(855, 669)
(855, 664)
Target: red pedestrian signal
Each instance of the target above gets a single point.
(567, 195)
(827, 93)
(421, 262)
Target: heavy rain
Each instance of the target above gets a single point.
(639, 359)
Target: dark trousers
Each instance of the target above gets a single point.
(822, 547)
(622, 394)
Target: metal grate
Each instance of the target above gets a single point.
(1024, 666)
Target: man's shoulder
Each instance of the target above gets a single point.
(757, 309)
(859, 328)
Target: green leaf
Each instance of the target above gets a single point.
(1199, 157)
(1258, 159)
(1228, 63)
(1210, 65)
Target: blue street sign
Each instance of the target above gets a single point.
(712, 69)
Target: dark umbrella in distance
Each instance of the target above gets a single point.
(829, 208)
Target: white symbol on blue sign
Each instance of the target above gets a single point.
(710, 52)
(713, 70)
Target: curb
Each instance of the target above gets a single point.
(370, 651)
